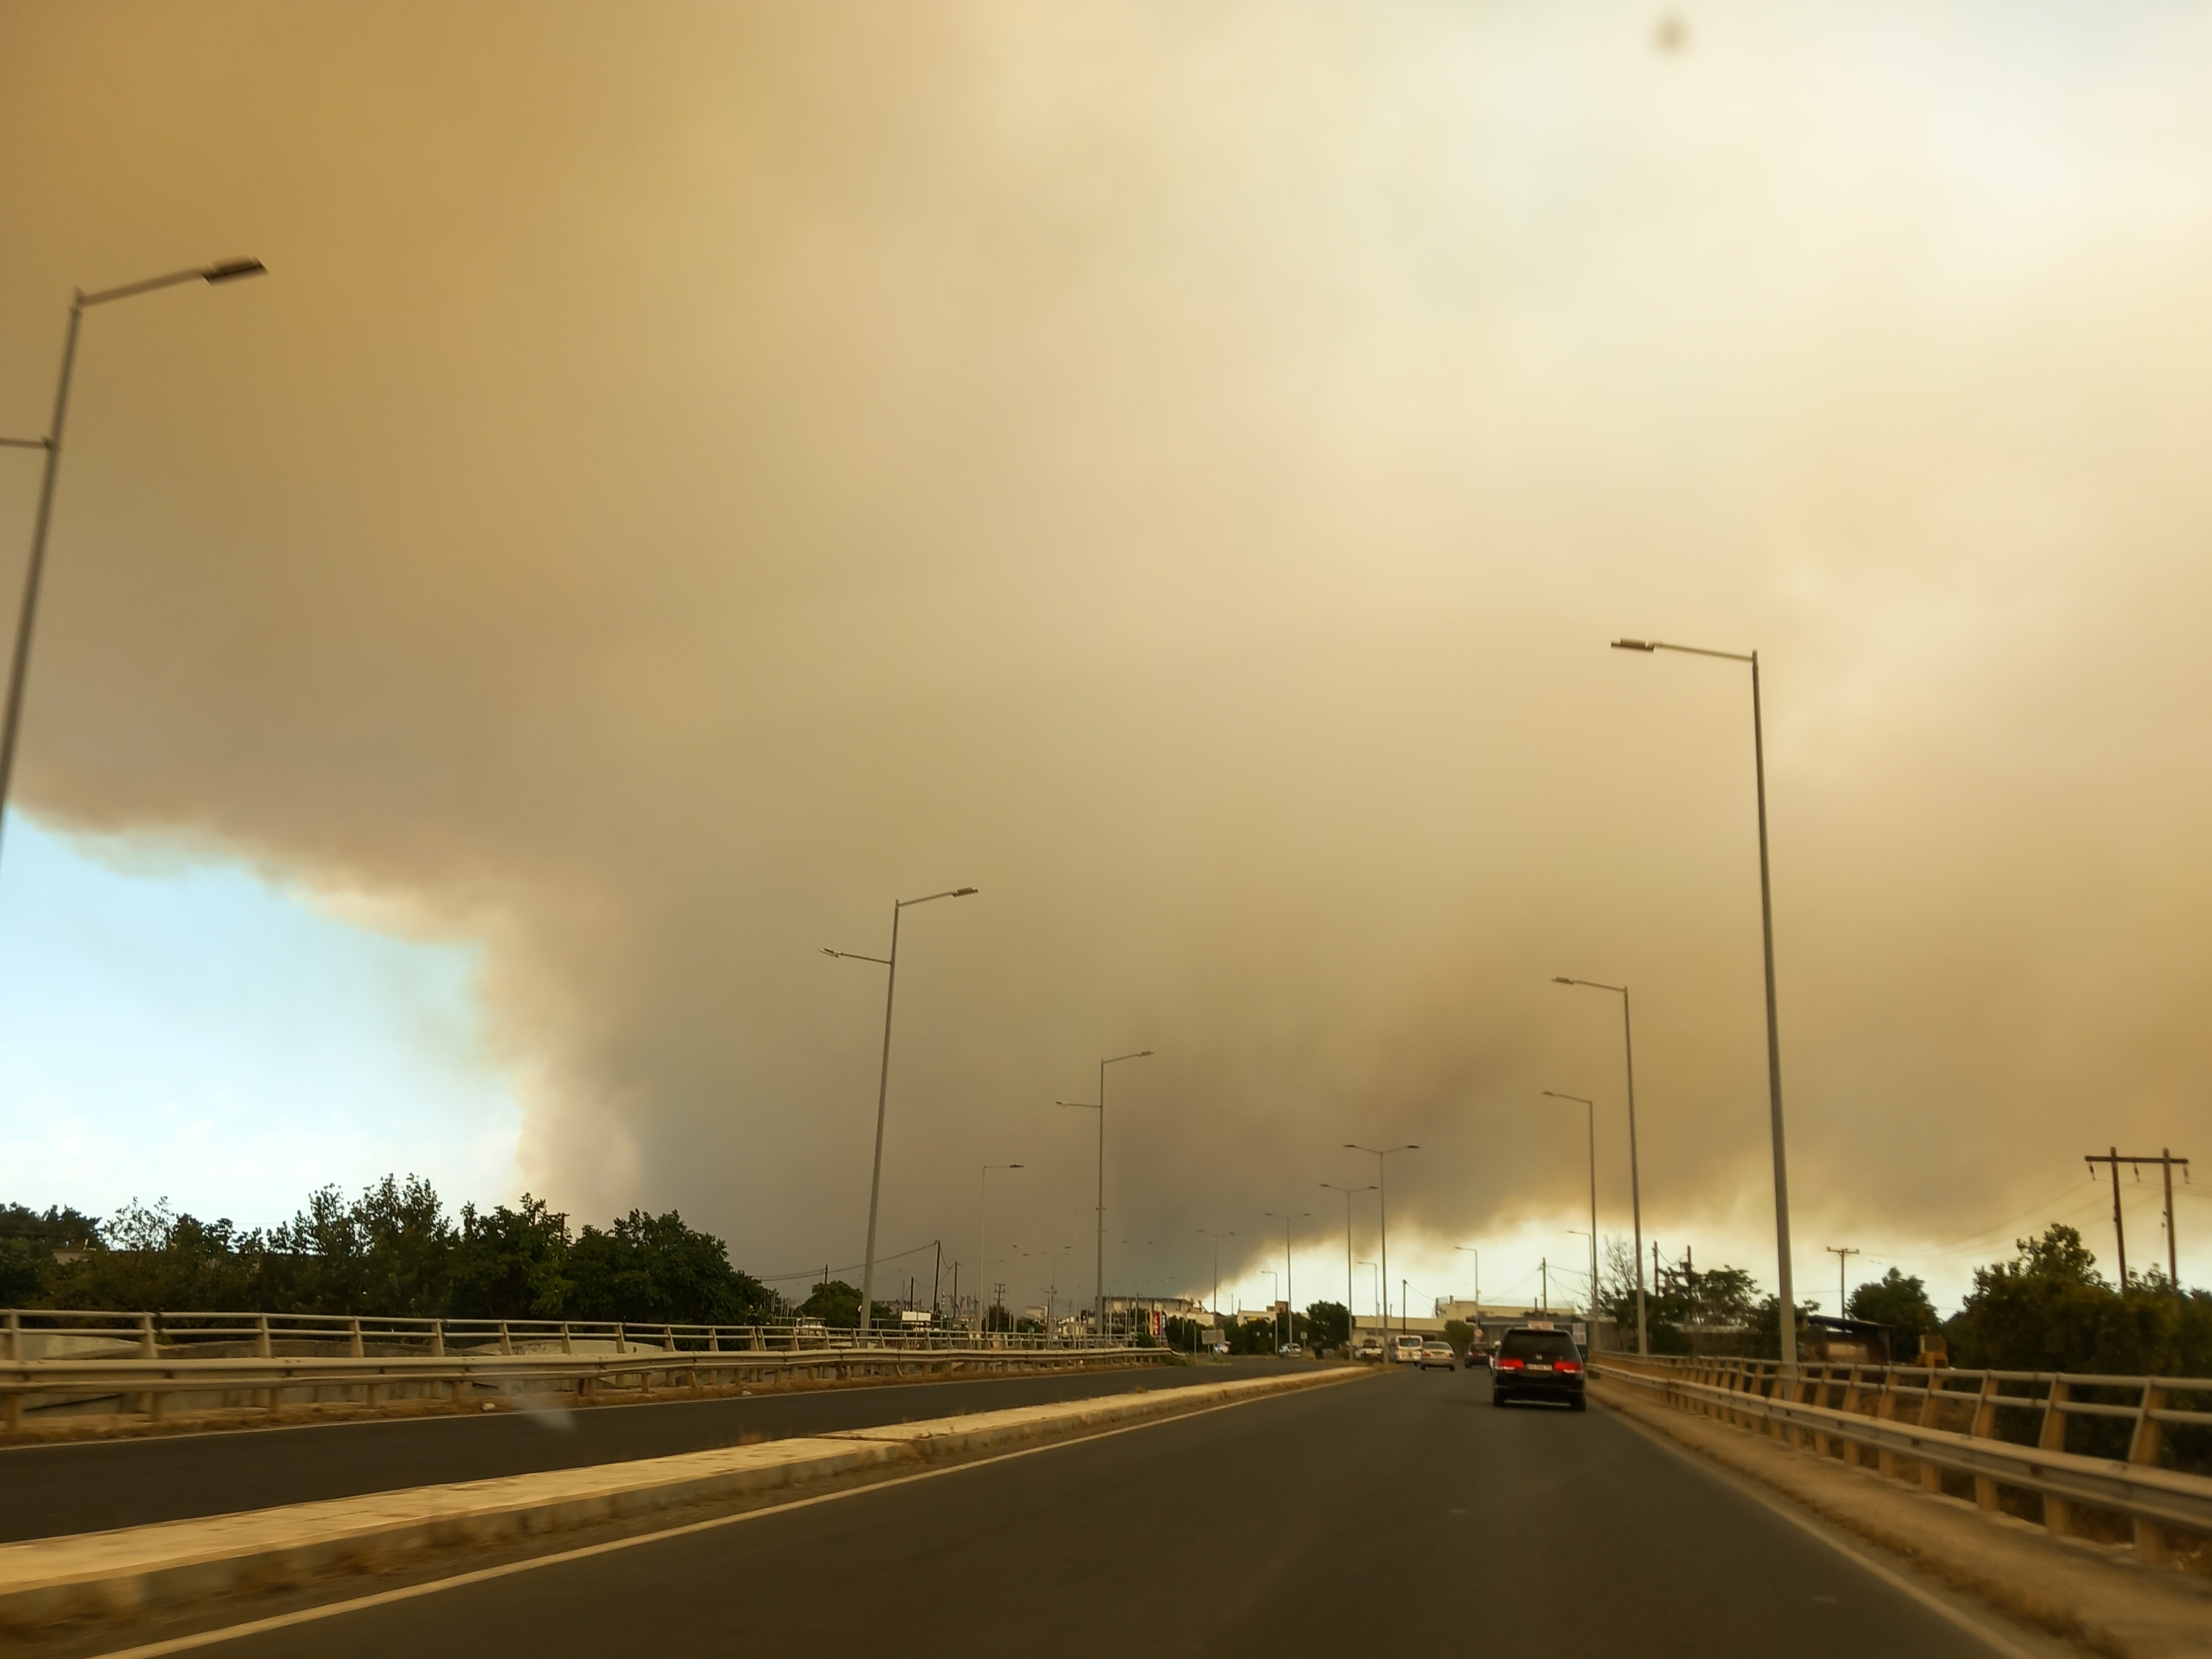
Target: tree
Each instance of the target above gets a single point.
(511, 1264)
(2050, 1309)
(1328, 1325)
(652, 1269)
(1897, 1301)
(836, 1303)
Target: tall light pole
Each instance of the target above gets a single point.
(982, 1239)
(1474, 1252)
(1099, 1107)
(1217, 1238)
(1635, 1180)
(1331, 1186)
(1382, 1156)
(1787, 1316)
(1290, 1319)
(883, 1090)
(1577, 1232)
(1592, 1107)
(20, 667)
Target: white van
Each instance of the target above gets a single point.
(1406, 1350)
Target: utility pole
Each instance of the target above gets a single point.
(1544, 1283)
(2165, 1160)
(1842, 1253)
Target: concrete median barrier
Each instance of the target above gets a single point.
(93, 1575)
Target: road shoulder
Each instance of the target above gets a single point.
(2095, 1598)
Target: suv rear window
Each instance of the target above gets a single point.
(1536, 1345)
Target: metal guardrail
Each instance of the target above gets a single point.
(265, 1361)
(23, 1328)
(1896, 1413)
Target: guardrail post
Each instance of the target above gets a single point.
(2151, 1542)
(353, 1339)
(146, 1335)
(1886, 1409)
(621, 1342)
(1817, 1380)
(567, 1346)
(1931, 1478)
(507, 1342)
(2057, 1514)
(15, 1336)
(1851, 1405)
(262, 1348)
(437, 1339)
(1985, 1427)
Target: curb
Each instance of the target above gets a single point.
(135, 1570)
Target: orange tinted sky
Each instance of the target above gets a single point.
(698, 473)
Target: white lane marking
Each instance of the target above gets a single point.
(484, 1575)
(1973, 1624)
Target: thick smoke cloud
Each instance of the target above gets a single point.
(698, 474)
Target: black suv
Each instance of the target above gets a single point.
(1535, 1361)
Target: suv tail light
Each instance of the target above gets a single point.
(1511, 1364)
(1567, 1364)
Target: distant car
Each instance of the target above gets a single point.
(1290, 1351)
(1404, 1350)
(1477, 1356)
(1535, 1361)
(1370, 1349)
(1436, 1351)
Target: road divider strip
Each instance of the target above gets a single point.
(137, 1570)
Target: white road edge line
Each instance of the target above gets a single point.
(484, 1575)
(1973, 1622)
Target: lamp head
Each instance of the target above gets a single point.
(1634, 645)
(1561, 979)
(961, 892)
(231, 270)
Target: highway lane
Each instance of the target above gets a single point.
(1361, 1517)
(47, 1490)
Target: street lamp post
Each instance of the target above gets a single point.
(1347, 1192)
(1217, 1238)
(883, 1090)
(1290, 1319)
(1788, 1312)
(1635, 1180)
(20, 667)
(1474, 1252)
(1577, 1232)
(1592, 1106)
(982, 1240)
(1099, 1107)
(1382, 1155)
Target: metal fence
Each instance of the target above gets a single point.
(56, 1361)
(2002, 1429)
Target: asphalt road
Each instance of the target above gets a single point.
(47, 1490)
(1397, 1515)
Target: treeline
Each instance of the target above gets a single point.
(393, 1250)
(2046, 1309)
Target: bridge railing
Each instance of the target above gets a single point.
(55, 1362)
(2000, 1429)
(46, 1333)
